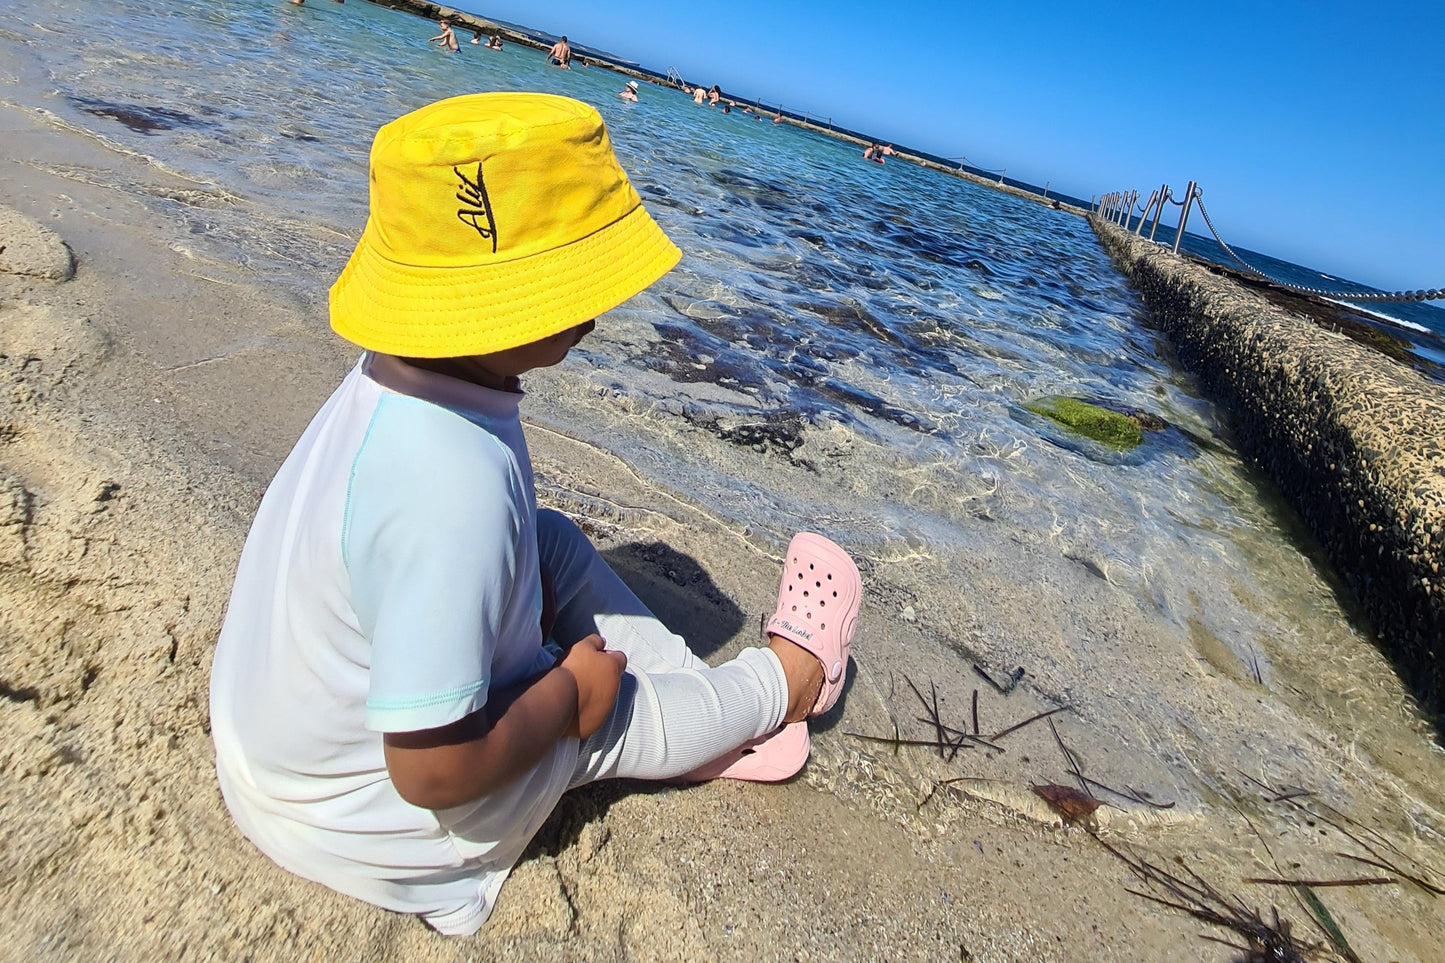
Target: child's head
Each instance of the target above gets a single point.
(497, 221)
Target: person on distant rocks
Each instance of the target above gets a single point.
(698, 95)
(561, 54)
(446, 38)
(629, 93)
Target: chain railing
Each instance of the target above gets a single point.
(1432, 294)
(1118, 208)
(981, 171)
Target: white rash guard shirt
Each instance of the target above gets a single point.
(388, 583)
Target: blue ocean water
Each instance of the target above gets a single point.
(845, 346)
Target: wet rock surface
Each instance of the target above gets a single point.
(1112, 428)
(1352, 439)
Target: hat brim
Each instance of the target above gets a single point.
(454, 312)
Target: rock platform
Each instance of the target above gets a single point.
(1354, 440)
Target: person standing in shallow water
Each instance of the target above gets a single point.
(446, 38)
(629, 93)
(561, 54)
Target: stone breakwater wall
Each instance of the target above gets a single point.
(1354, 440)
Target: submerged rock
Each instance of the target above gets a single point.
(1107, 427)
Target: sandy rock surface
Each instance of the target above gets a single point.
(29, 247)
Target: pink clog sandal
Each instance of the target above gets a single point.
(818, 608)
(771, 758)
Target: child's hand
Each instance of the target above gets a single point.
(598, 672)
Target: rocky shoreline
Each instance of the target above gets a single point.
(1351, 438)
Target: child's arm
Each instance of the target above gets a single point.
(476, 756)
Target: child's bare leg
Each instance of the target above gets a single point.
(804, 674)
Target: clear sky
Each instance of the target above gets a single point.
(1316, 130)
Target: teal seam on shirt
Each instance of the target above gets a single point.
(351, 481)
(422, 702)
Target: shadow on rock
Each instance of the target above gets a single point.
(679, 592)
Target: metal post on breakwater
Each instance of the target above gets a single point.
(1189, 193)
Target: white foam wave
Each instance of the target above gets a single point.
(1398, 322)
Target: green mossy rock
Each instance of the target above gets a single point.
(1104, 426)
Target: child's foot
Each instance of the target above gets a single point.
(810, 633)
(804, 674)
(812, 629)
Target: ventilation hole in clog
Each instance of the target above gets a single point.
(810, 566)
(822, 602)
(835, 593)
(805, 593)
(830, 576)
(809, 615)
(822, 626)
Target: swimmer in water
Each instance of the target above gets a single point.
(629, 93)
(446, 38)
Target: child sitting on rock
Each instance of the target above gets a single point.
(417, 662)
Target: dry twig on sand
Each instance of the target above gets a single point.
(1363, 836)
(948, 740)
(1265, 940)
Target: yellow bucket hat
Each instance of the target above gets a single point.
(496, 220)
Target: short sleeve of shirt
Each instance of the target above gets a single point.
(434, 513)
